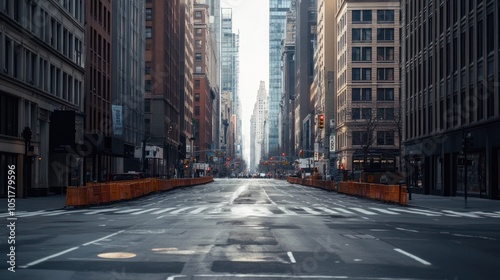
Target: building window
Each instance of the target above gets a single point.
(385, 94)
(361, 34)
(361, 94)
(149, 14)
(196, 110)
(197, 14)
(197, 85)
(149, 33)
(360, 138)
(197, 56)
(385, 113)
(385, 16)
(197, 69)
(385, 54)
(9, 115)
(147, 105)
(361, 74)
(147, 85)
(361, 54)
(197, 43)
(147, 68)
(385, 137)
(198, 31)
(385, 74)
(385, 34)
(364, 16)
(197, 95)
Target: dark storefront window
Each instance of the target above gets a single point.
(8, 115)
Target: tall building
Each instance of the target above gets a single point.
(305, 44)
(42, 60)
(204, 94)
(450, 74)
(287, 105)
(325, 60)
(162, 82)
(229, 73)
(277, 15)
(98, 91)
(127, 82)
(214, 23)
(367, 96)
(186, 79)
(260, 117)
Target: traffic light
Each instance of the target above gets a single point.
(300, 154)
(321, 121)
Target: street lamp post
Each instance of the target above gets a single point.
(27, 138)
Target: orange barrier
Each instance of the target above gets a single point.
(389, 193)
(98, 193)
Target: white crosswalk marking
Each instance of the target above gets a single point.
(492, 215)
(145, 211)
(327, 210)
(101, 211)
(362, 211)
(55, 213)
(163, 210)
(415, 212)
(30, 214)
(128, 211)
(462, 214)
(310, 211)
(385, 211)
(198, 210)
(343, 210)
(180, 210)
(286, 211)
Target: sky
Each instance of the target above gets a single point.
(251, 18)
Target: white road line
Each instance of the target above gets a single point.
(198, 210)
(343, 210)
(327, 210)
(105, 237)
(366, 212)
(128, 211)
(462, 214)
(29, 214)
(310, 211)
(292, 259)
(274, 203)
(404, 229)
(163, 210)
(384, 211)
(145, 211)
(49, 257)
(180, 210)
(176, 276)
(412, 256)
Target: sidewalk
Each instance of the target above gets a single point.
(456, 203)
(30, 204)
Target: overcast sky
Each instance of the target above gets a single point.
(251, 18)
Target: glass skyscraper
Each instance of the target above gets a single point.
(277, 24)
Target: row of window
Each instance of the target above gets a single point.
(366, 114)
(364, 138)
(365, 34)
(365, 16)
(365, 54)
(48, 28)
(365, 94)
(27, 66)
(365, 74)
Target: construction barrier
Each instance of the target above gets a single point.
(388, 193)
(99, 193)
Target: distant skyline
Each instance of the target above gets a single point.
(251, 20)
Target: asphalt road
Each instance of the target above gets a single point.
(252, 229)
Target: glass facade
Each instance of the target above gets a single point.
(277, 25)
